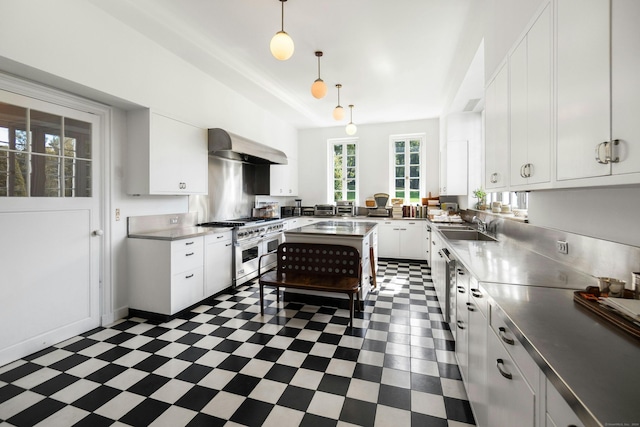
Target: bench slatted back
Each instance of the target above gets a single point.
(321, 259)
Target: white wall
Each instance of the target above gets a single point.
(75, 46)
(373, 146)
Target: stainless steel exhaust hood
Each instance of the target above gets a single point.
(234, 147)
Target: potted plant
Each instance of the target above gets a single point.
(481, 195)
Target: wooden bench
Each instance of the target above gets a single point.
(314, 267)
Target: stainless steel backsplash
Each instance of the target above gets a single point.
(599, 258)
(233, 186)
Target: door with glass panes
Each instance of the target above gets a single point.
(407, 169)
(345, 170)
(49, 223)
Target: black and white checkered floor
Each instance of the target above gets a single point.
(224, 364)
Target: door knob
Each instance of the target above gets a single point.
(97, 232)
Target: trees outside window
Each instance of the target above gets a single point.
(344, 167)
(407, 166)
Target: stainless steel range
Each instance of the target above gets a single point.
(252, 237)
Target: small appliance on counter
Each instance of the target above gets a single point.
(307, 211)
(287, 211)
(345, 208)
(381, 209)
(324, 210)
(297, 209)
(449, 207)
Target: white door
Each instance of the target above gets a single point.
(49, 222)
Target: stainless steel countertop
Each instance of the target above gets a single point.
(335, 228)
(501, 262)
(180, 233)
(591, 363)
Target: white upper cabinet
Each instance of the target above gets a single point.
(455, 172)
(625, 85)
(497, 132)
(530, 112)
(165, 156)
(598, 61)
(284, 179)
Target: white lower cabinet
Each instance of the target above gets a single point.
(510, 398)
(558, 412)
(401, 239)
(476, 380)
(218, 262)
(165, 276)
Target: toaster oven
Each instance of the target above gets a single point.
(324, 210)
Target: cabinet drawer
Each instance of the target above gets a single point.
(227, 236)
(558, 411)
(514, 347)
(478, 296)
(187, 288)
(187, 257)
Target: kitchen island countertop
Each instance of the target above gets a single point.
(335, 228)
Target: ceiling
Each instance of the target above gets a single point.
(397, 60)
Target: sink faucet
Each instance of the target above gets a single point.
(482, 226)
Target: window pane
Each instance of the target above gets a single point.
(351, 185)
(399, 146)
(77, 178)
(414, 146)
(46, 176)
(414, 184)
(337, 184)
(45, 132)
(414, 196)
(351, 195)
(13, 124)
(351, 173)
(399, 159)
(414, 171)
(338, 195)
(399, 184)
(77, 138)
(414, 158)
(337, 149)
(13, 174)
(351, 161)
(351, 149)
(399, 194)
(400, 172)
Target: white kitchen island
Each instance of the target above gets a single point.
(362, 235)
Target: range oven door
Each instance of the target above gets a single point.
(247, 255)
(270, 246)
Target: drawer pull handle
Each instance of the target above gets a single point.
(470, 307)
(459, 323)
(189, 243)
(461, 289)
(507, 375)
(228, 244)
(219, 237)
(189, 276)
(189, 254)
(504, 338)
(476, 293)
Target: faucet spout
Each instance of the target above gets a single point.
(482, 226)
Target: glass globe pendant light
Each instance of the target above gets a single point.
(281, 44)
(338, 112)
(318, 88)
(351, 129)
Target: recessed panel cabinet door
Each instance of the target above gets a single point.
(625, 56)
(497, 132)
(583, 87)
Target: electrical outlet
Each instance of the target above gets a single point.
(173, 220)
(117, 214)
(562, 247)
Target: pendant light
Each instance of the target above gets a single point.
(338, 112)
(281, 44)
(351, 129)
(318, 88)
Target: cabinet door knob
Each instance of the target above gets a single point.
(460, 324)
(470, 307)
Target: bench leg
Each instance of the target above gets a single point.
(351, 310)
(261, 299)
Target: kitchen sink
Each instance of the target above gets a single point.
(471, 234)
(455, 227)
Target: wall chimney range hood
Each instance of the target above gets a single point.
(230, 146)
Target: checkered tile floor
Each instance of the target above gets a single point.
(222, 364)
